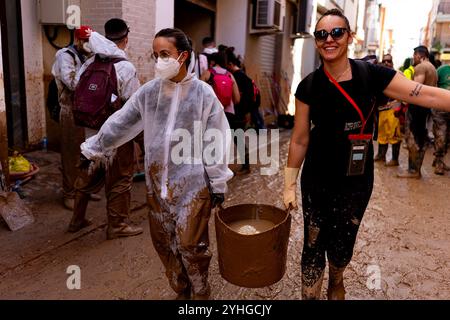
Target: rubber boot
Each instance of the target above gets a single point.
(382, 151)
(439, 168)
(416, 158)
(314, 291)
(395, 156)
(336, 289)
(79, 220)
(118, 212)
(117, 228)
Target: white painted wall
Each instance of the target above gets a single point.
(165, 14)
(351, 12)
(232, 24)
(34, 71)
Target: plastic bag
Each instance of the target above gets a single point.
(18, 164)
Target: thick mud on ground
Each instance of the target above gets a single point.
(402, 252)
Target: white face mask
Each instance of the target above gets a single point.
(87, 47)
(167, 69)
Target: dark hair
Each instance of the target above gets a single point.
(338, 13)
(407, 63)
(207, 41)
(232, 58)
(371, 59)
(422, 51)
(220, 58)
(182, 41)
(116, 30)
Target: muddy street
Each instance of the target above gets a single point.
(405, 238)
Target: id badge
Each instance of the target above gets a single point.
(358, 154)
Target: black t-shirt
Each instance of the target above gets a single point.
(245, 86)
(334, 118)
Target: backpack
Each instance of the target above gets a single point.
(53, 106)
(223, 86)
(93, 95)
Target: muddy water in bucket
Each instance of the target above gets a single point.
(252, 243)
(252, 226)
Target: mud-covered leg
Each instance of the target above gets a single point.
(162, 230)
(193, 239)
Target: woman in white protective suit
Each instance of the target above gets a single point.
(185, 179)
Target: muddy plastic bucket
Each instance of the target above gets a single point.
(253, 261)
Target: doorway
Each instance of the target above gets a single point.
(14, 73)
(196, 20)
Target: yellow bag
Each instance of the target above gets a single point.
(18, 164)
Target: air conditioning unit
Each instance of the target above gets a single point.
(54, 12)
(269, 14)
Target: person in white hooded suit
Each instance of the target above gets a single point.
(181, 195)
(117, 176)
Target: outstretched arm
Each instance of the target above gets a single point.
(121, 127)
(417, 93)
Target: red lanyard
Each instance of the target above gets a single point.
(352, 102)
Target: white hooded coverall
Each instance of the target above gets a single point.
(179, 194)
(65, 71)
(118, 177)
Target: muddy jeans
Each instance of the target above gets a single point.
(441, 131)
(183, 249)
(332, 217)
(416, 136)
(71, 139)
(117, 179)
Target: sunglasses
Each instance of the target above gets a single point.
(386, 61)
(336, 34)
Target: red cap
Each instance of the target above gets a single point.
(83, 33)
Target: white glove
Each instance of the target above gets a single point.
(290, 188)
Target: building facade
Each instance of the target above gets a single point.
(273, 36)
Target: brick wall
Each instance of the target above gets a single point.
(140, 15)
(95, 13)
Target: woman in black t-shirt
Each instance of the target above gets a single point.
(332, 139)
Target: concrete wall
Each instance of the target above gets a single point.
(351, 12)
(164, 14)
(443, 34)
(298, 61)
(232, 24)
(34, 70)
